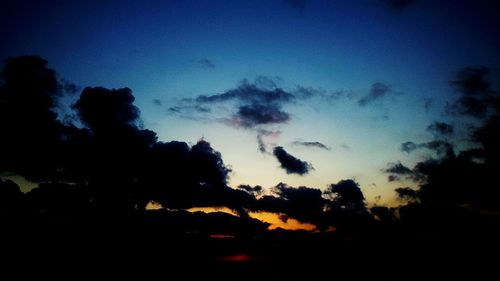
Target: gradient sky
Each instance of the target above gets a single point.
(171, 50)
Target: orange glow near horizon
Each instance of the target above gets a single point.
(212, 210)
(153, 205)
(276, 222)
(272, 218)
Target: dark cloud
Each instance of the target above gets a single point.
(206, 63)
(441, 129)
(397, 171)
(255, 104)
(346, 194)
(29, 93)
(472, 81)
(253, 115)
(157, 102)
(453, 178)
(391, 178)
(311, 144)
(398, 168)
(406, 193)
(251, 189)
(398, 5)
(103, 110)
(440, 147)
(476, 97)
(408, 146)
(262, 91)
(378, 91)
(291, 164)
(303, 203)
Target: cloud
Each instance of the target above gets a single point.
(441, 129)
(188, 109)
(291, 164)
(408, 146)
(472, 81)
(459, 176)
(476, 97)
(406, 193)
(441, 147)
(347, 194)
(262, 135)
(377, 91)
(102, 109)
(29, 95)
(262, 91)
(206, 63)
(254, 115)
(311, 144)
(398, 168)
(251, 189)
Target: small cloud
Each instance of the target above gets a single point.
(206, 63)
(440, 147)
(188, 109)
(408, 146)
(378, 91)
(398, 169)
(261, 134)
(441, 129)
(290, 163)
(311, 144)
(253, 115)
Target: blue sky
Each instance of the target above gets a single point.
(158, 49)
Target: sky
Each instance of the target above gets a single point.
(357, 78)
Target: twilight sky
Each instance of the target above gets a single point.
(337, 84)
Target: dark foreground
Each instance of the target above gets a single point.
(144, 248)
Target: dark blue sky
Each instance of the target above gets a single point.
(168, 51)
